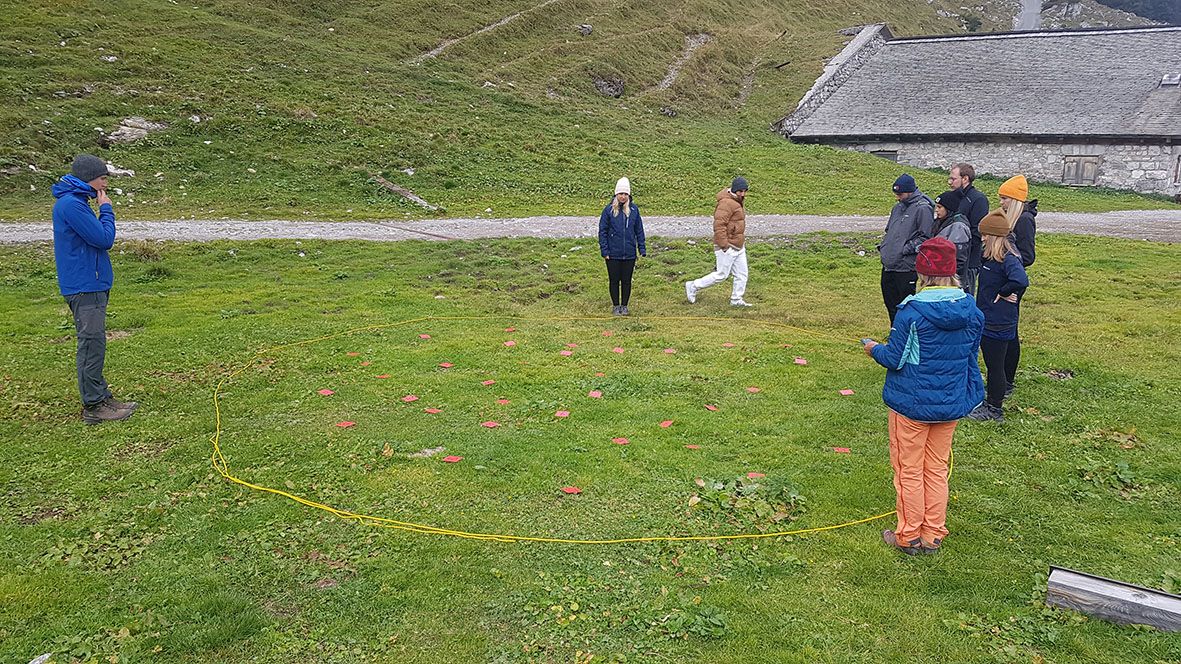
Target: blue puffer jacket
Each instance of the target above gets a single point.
(932, 372)
(81, 239)
(1003, 279)
(621, 235)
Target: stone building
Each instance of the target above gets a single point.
(1097, 107)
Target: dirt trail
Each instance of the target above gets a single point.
(692, 43)
(1154, 225)
(438, 50)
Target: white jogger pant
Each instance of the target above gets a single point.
(729, 262)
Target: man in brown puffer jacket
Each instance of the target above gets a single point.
(729, 245)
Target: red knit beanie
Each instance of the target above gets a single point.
(936, 258)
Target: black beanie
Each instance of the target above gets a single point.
(950, 200)
(739, 184)
(87, 167)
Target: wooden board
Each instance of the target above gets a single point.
(1115, 601)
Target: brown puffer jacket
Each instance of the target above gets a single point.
(729, 222)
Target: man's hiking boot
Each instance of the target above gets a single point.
(909, 548)
(690, 292)
(108, 410)
(987, 412)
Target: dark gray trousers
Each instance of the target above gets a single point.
(90, 324)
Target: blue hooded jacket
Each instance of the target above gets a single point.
(933, 375)
(621, 235)
(1001, 279)
(81, 239)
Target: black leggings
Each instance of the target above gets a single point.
(896, 287)
(999, 356)
(620, 274)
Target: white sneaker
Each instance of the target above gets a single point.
(690, 292)
(740, 303)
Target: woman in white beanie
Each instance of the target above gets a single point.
(621, 236)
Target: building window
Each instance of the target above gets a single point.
(891, 155)
(1177, 171)
(1079, 170)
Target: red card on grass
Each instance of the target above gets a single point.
(488, 382)
(490, 424)
(326, 393)
(346, 424)
(382, 376)
(666, 424)
(410, 398)
(571, 490)
(424, 336)
(755, 476)
(710, 407)
(432, 411)
(841, 450)
(692, 447)
(503, 402)
(446, 365)
(452, 459)
(510, 329)
(620, 441)
(599, 374)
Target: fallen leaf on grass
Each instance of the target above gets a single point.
(426, 453)
(387, 451)
(325, 584)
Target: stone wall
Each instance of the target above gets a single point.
(1149, 169)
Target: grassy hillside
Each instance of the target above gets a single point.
(299, 103)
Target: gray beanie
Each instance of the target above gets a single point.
(87, 167)
(739, 184)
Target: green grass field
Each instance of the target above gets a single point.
(121, 541)
(300, 103)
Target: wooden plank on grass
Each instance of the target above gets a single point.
(1115, 601)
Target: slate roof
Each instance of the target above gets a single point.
(1065, 84)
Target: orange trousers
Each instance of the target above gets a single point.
(919, 453)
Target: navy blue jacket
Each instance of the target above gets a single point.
(974, 206)
(81, 239)
(1023, 234)
(1004, 279)
(932, 373)
(621, 235)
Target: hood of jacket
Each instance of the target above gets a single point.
(726, 195)
(1031, 207)
(70, 184)
(946, 308)
(916, 198)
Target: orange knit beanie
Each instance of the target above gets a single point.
(1016, 187)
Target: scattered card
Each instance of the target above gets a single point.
(488, 382)
(326, 393)
(410, 398)
(595, 394)
(841, 450)
(607, 333)
(692, 447)
(489, 424)
(710, 407)
(620, 441)
(666, 424)
(754, 476)
(846, 393)
(571, 490)
(346, 424)
(510, 329)
(366, 363)
(382, 376)
(566, 353)
(670, 351)
(599, 374)
(452, 459)
(727, 345)
(617, 349)
(432, 411)
(571, 345)
(352, 354)
(445, 365)
(562, 413)
(503, 402)
(424, 336)
(801, 361)
(510, 343)
(754, 390)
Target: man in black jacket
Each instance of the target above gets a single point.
(973, 205)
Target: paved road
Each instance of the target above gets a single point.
(1030, 17)
(1155, 225)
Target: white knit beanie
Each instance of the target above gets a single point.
(624, 186)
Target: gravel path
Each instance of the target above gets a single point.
(1155, 225)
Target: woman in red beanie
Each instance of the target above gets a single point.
(932, 380)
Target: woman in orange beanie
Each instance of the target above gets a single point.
(1020, 213)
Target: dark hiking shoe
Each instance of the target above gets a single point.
(1009, 390)
(932, 549)
(987, 412)
(623, 310)
(122, 404)
(909, 548)
(615, 310)
(108, 410)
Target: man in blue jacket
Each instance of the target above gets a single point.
(81, 241)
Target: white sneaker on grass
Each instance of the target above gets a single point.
(740, 303)
(690, 292)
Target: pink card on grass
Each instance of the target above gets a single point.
(571, 490)
(841, 450)
(452, 459)
(445, 365)
(410, 398)
(692, 447)
(326, 393)
(566, 353)
(801, 361)
(432, 411)
(595, 394)
(620, 441)
(346, 424)
(489, 424)
(755, 476)
(710, 407)
(488, 382)
(562, 413)
(424, 336)
(846, 393)
(666, 424)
